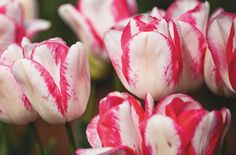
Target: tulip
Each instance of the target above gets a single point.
(92, 18)
(157, 56)
(55, 79)
(220, 62)
(30, 8)
(191, 11)
(174, 126)
(14, 105)
(14, 25)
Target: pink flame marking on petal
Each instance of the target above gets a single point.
(59, 50)
(176, 57)
(20, 33)
(64, 85)
(231, 57)
(97, 37)
(52, 87)
(27, 103)
(120, 9)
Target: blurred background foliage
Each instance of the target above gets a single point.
(18, 140)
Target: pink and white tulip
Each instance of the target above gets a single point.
(191, 11)
(220, 61)
(55, 78)
(30, 8)
(174, 127)
(92, 18)
(14, 105)
(14, 25)
(157, 56)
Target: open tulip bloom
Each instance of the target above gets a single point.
(220, 61)
(178, 125)
(92, 18)
(157, 56)
(14, 105)
(14, 26)
(55, 78)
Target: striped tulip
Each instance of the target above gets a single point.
(55, 79)
(191, 11)
(220, 61)
(14, 105)
(92, 18)
(14, 25)
(173, 127)
(157, 56)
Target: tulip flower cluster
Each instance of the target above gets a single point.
(157, 55)
(177, 125)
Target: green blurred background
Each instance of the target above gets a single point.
(17, 140)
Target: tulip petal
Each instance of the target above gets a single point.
(11, 54)
(75, 81)
(112, 41)
(179, 7)
(81, 26)
(34, 26)
(149, 105)
(207, 133)
(122, 150)
(226, 120)
(193, 51)
(92, 134)
(167, 140)
(217, 37)
(213, 78)
(180, 102)
(198, 16)
(7, 32)
(142, 58)
(15, 105)
(50, 55)
(111, 100)
(231, 55)
(40, 89)
(120, 126)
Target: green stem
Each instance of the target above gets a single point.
(70, 137)
(37, 141)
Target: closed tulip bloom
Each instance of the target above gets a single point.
(14, 105)
(92, 18)
(14, 25)
(191, 11)
(220, 62)
(157, 56)
(55, 79)
(174, 127)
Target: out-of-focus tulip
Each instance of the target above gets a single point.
(220, 62)
(55, 79)
(14, 26)
(14, 105)
(30, 8)
(92, 18)
(157, 56)
(178, 125)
